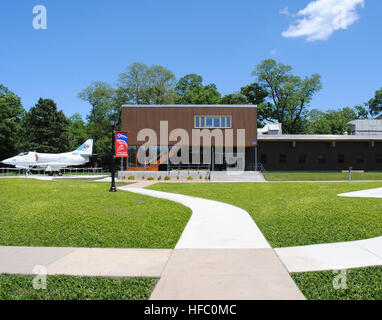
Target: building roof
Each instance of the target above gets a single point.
(366, 125)
(308, 137)
(188, 106)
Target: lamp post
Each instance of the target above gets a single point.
(113, 188)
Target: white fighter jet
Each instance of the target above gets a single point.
(52, 162)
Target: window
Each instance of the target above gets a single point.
(222, 123)
(302, 158)
(228, 124)
(378, 158)
(283, 158)
(212, 122)
(197, 125)
(209, 122)
(321, 158)
(359, 158)
(340, 158)
(263, 158)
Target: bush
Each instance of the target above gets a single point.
(131, 178)
(150, 178)
(167, 178)
(190, 178)
(123, 178)
(160, 178)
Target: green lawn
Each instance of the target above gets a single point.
(20, 287)
(294, 214)
(83, 214)
(321, 176)
(362, 284)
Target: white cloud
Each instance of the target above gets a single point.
(322, 17)
(285, 11)
(273, 52)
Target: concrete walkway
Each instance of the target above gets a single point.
(371, 193)
(84, 261)
(332, 256)
(213, 224)
(221, 255)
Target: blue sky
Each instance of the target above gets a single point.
(219, 39)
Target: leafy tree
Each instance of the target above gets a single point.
(100, 96)
(77, 131)
(362, 111)
(330, 122)
(254, 93)
(234, 99)
(375, 105)
(142, 84)
(288, 95)
(46, 128)
(11, 113)
(190, 90)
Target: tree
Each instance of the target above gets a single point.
(142, 84)
(77, 131)
(330, 122)
(363, 111)
(254, 93)
(190, 90)
(234, 99)
(375, 105)
(100, 96)
(46, 128)
(11, 113)
(288, 95)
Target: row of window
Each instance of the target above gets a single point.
(212, 122)
(321, 158)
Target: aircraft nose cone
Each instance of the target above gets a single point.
(6, 161)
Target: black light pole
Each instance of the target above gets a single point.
(113, 188)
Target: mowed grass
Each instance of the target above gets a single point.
(20, 287)
(321, 176)
(361, 284)
(80, 214)
(294, 214)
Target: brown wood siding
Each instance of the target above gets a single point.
(135, 119)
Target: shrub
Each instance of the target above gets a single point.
(167, 178)
(160, 178)
(131, 178)
(150, 178)
(123, 178)
(190, 178)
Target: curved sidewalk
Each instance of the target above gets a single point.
(213, 224)
(221, 255)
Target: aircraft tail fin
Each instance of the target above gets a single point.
(86, 148)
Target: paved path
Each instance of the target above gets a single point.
(332, 256)
(84, 261)
(371, 193)
(335, 256)
(221, 255)
(213, 224)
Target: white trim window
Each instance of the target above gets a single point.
(212, 122)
